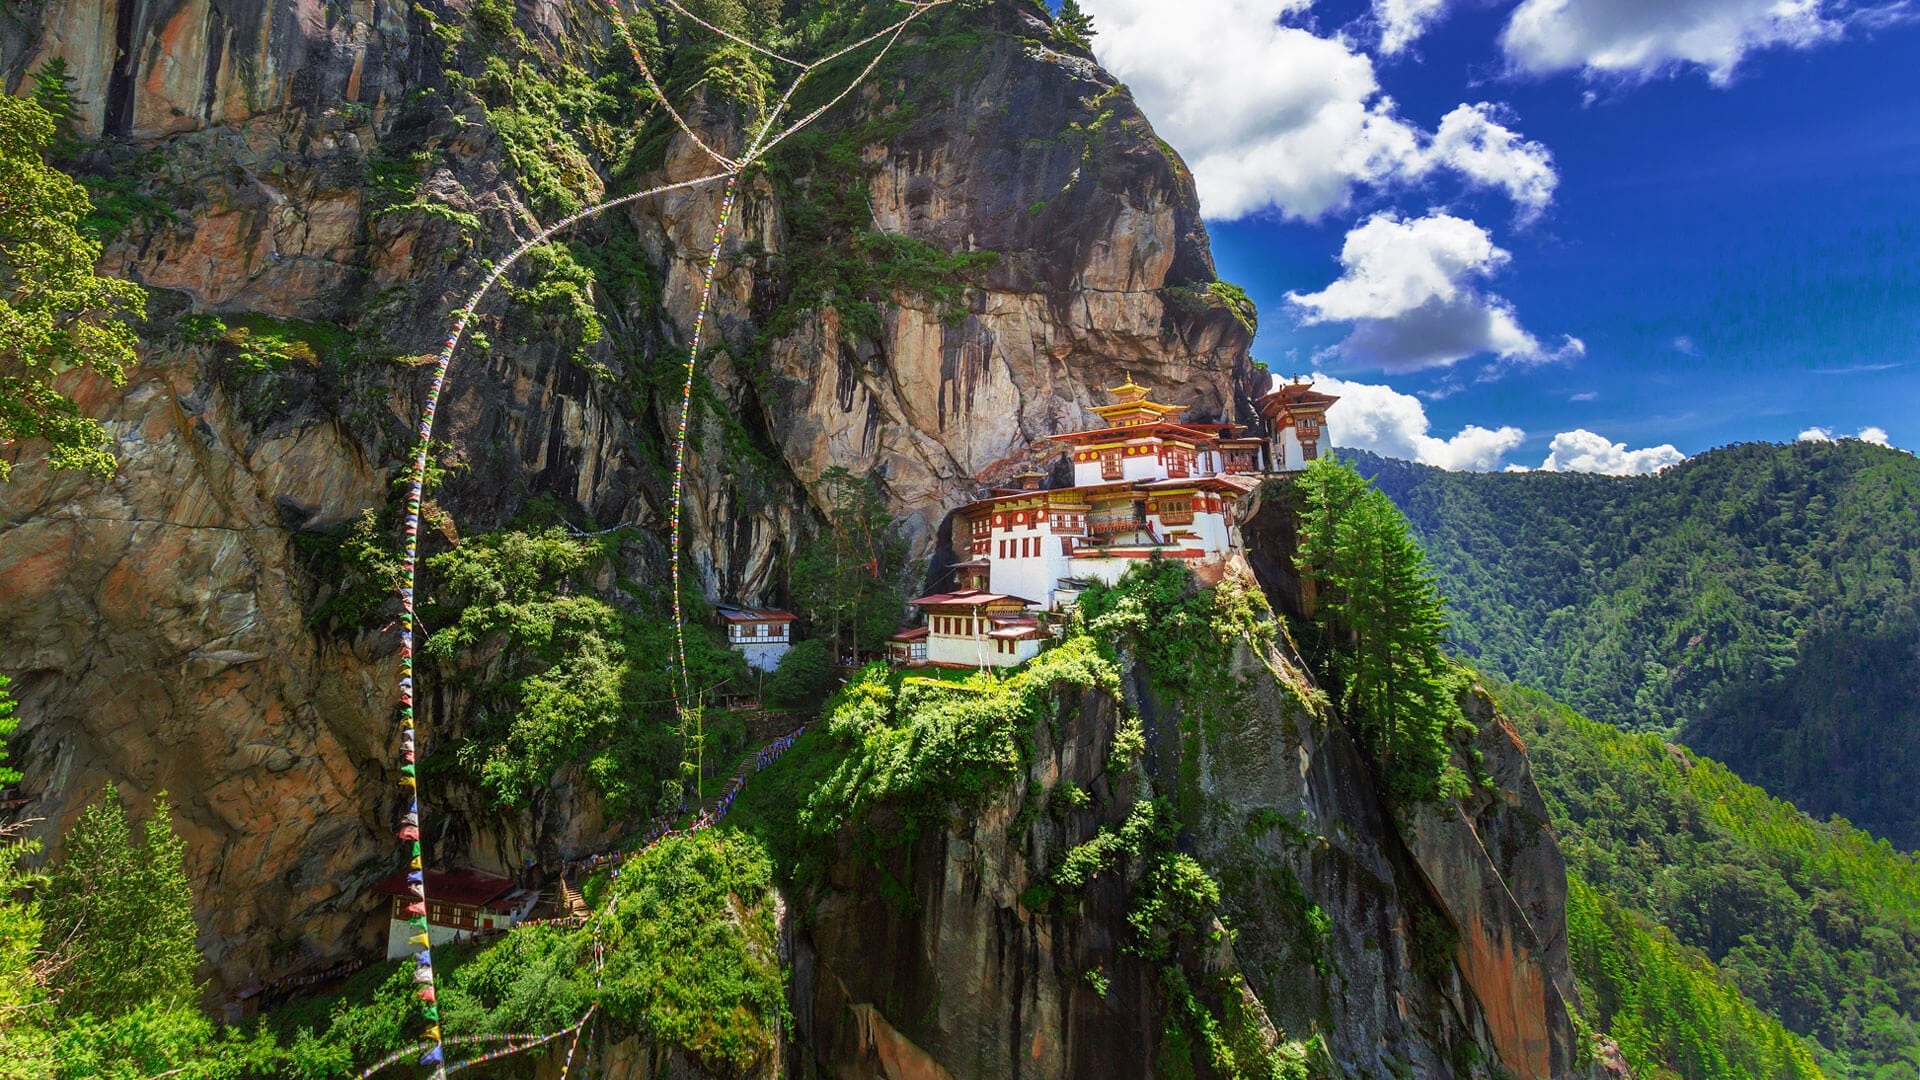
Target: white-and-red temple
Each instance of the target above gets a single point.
(1145, 483)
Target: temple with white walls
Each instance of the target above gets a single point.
(1146, 483)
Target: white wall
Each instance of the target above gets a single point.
(398, 931)
(1287, 454)
(942, 649)
(1030, 577)
(762, 655)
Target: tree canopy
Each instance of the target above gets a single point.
(1379, 627)
(56, 315)
(120, 914)
(1761, 601)
(850, 580)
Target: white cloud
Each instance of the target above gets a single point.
(1586, 395)
(1685, 344)
(1581, 450)
(1408, 287)
(1874, 435)
(1271, 116)
(1473, 142)
(1635, 40)
(1387, 422)
(1403, 21)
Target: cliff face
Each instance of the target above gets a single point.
(160, 624)
(1430, 946)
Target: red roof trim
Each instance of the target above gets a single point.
(467, 887)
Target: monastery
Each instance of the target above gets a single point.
(1145, 483)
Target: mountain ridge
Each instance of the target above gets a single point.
(1760, 601)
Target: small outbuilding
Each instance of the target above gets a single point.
(762, 635)
(459, 904)
(908, 647)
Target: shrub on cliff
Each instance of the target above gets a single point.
(55, 315)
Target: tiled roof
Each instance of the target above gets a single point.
(747, 614)
(469, 887)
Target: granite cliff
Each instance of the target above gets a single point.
(327, 179)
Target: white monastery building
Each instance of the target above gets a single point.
(1145, 483)
(763, 635)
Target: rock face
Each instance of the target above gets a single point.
(1429, 947)
(159, 625)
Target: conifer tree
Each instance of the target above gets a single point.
(120, 914)
(850, 581)
(1074, 25)
(1382, 627)
(24, 1014)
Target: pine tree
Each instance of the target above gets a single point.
(1382, 626)
(851, 580)
(25, 1045)
(119, 915)
(1074, 25)
(53, 91)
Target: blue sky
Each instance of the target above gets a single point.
(1590, 234)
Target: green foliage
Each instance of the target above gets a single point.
(694, 951)
(1073, 25)
(255, 343)
(559, 291)
(1379, 630)
(804, 676)
(55, 315)
(1670, 1011)
(1215, 296)
(53, 92)
(851, 580)
(1760, 600)
(120, 915)
(935, 748)
(1816, 922)
(563, 676)
(360, 566)
(154, 1039)
(25, 1012)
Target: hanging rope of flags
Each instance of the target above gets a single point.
(409, 832)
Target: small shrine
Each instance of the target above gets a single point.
(1296, 416)
(762, 635)
(458, 905)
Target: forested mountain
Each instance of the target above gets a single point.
(1758, 600)
(1815, 922)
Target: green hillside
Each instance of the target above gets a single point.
(1816, 922)
(1759, 600)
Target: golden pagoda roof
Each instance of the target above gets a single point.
(1131, 406)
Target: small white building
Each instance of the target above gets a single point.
(977, 629)
(1296, 416)
(908, 647)
(457, 905)
(762, 635)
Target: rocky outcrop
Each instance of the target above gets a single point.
(1433, 946)
(159, 623)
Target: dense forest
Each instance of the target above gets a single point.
(1759, 601)
(1677, 867)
